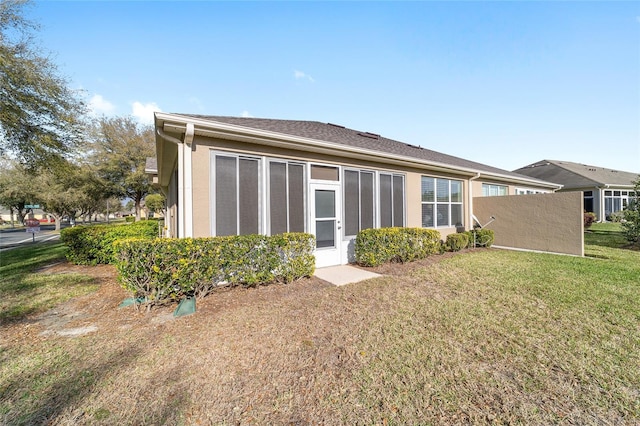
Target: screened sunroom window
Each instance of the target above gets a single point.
(286, 197)
(391, 200)
(237, 212)
(358, 201)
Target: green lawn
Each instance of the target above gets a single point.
(516, 338)
(604, 234)
(24, 291)
(482, 337)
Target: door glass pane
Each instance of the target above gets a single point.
(351, 202)
(296, 198)
(277, 197)
(366, 200)
(248, 206)
(226, 193)
(325, 203)
(398, 201)
(325, 233)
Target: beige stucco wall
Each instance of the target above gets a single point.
(201, 192)
(545, 222)
(201, 178)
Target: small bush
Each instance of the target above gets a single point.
(91, 245)
(631, 215)
(129, 219)
(481, 237)
(374, 247)
(457, 242)
(616, 217)
(589, 219)
(167, 269)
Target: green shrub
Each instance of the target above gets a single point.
(91, 245)
(374, 247)
(481, 237)
(631, 216)
(129, 219)
(457, 242)
(616, 217)
(167, 269)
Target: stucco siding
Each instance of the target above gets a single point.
(545, 222)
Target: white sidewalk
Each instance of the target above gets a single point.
(344, 274)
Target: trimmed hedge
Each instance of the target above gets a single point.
(457, 242)
(167, 269)
(374, 247)
(91, 245)
(481, 238)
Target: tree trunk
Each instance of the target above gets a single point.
(21, 215)
(138, 200)
(57, 220)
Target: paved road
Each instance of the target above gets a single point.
(10, 238)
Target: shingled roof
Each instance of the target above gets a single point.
(358, 139)
(576, 175)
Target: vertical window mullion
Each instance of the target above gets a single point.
(359, 201)
(287, 197)
(237, 196)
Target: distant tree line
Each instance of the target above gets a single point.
(52, 153)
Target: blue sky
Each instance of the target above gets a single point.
(501, 83)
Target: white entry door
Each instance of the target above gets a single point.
(326, 223)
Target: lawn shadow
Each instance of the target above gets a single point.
(76, 382)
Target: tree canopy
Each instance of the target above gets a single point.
(120, 154)
(40, 116)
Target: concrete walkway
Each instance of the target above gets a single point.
(344, 274)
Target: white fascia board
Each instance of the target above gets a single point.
(177, 123)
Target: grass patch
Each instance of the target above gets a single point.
(520, 338)
(25, 291)
(483, 337)
(607, 234)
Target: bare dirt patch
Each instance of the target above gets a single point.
(303, 353)
(276, 354)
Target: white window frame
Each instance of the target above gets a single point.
(261, 171)
(375, 198)
(491, 186)
(267, 190)
(435, 202)
(404, 198)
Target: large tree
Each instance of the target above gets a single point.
(39, 113)
(69, 190)
(120, 153)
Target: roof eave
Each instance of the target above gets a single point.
(177, 123)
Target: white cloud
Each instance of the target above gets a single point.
(144, 112)
(299, 75)
(246, 114)
(99, 105)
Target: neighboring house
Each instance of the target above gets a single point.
(7, 217)
(605, 190)
(233, 175)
